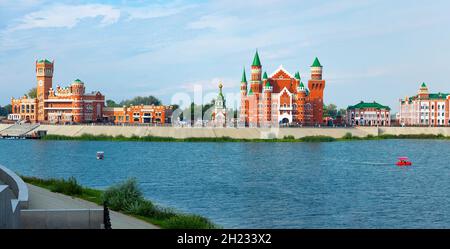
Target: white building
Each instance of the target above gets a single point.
(425, 109)
(368, 114)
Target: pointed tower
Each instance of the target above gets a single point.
(244, 84)
(423, 91)
(316, 86)
(300, 101)
(297, 79)
(219, 114)
(243, 116)
(44, 76)
(256, 74)
(267, 101)
(254, 95)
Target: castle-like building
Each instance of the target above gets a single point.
(281, 98)
(425, 109)
(61, 105)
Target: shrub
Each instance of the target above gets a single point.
(290, 137)
(119, 197)
(142, 208)
(347, 135)
(187, 221)
(317, 139)
(67, 187)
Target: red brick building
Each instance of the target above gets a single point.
(281, 98)
(60, 105)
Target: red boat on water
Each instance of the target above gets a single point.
(403, 161)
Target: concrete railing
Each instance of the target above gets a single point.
(16, 184)
(13, 198)
(62, 219)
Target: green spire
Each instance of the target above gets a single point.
(250, 92)
(316, 63)
(268, 84)
(256, 61)
(424, 85)
(301, 85)
(265, 76)
(244, 78)
(297, 75)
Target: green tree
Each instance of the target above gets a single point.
(32, 93)
(139, 100)
(112, 103)
(5, 110)
(330, 110)
(342, 112)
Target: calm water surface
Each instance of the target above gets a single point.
(263, 185)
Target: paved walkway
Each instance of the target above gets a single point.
(40, 198)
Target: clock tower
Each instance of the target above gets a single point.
(44, 75)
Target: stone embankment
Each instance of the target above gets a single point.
(239, 133)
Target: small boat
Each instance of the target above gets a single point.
(403, 161)
(100, 155)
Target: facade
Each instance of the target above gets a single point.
(425, 109)
(368, 114)
(61, 105)
(140, 114)
(24, 108)
(281, 98)
(219, 115)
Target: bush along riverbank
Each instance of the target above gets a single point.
(127, 198)
(289, 139)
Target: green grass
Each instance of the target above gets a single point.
(289, 139)
(126, 198)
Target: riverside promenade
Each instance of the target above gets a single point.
(40, 198)
(237, 133)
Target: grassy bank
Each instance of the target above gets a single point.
(126, 198)
(289, 139)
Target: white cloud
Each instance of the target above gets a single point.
(154, 11)
(67, 16)
(215, 22)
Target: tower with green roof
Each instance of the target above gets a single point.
(44, 75)
(256, 74)
(423, 91)
(316, 86)
(243, 84)
(219, 114)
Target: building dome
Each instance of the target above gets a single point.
(77, 82)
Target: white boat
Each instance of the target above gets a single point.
(100, 155)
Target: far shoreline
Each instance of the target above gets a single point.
(286, 139)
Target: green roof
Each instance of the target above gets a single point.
(301, 84)
(316, 63)
(438, 95)
(297, 75)
(244, 78)
(78, 80)
(374, 104)
(423, 85)
(268, 84)
(44, 61)
(256, 61)
(250, 92)
(265, 76)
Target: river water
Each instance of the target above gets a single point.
(263, 185)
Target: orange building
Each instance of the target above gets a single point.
(24, 108)
(61, 105)
(281, 98)
(140, 114)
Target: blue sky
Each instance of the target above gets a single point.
(370, 49)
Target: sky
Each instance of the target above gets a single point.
(371, 50)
